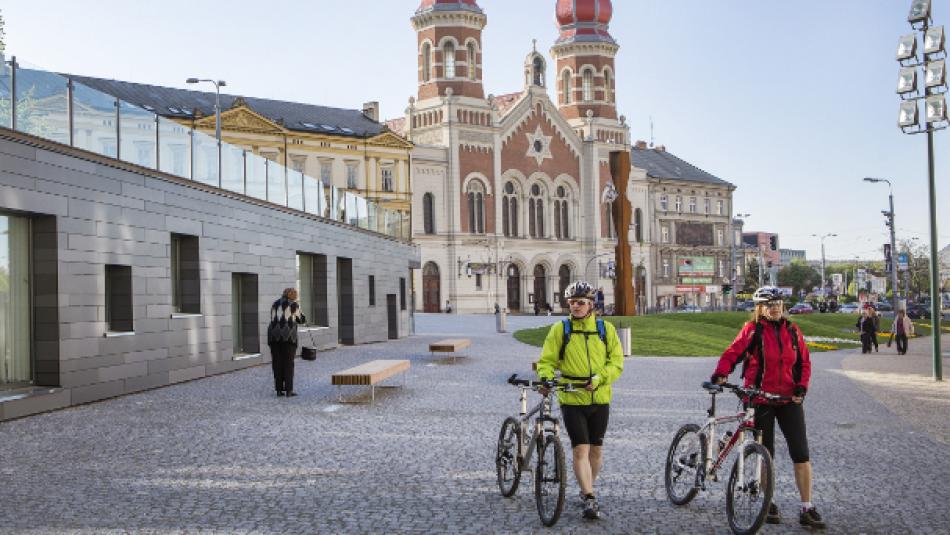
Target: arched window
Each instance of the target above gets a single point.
(472, 62)
(588, 85)
(607, 85)
(428, 213)
(564, 279)
(426, 62)
(448, 59)
(509, 211)
(476, 207)
(566, 87)
(538, 71)
(638, 225)
(561, 202)
(536, 213)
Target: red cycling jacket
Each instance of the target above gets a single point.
(785, 372)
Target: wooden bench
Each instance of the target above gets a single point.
(369, 374)
(451, 345)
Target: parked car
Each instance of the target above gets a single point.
(801, 308)
(745, 306)
(883, 306)
(848, 308)
(917, 311)
(689, 309)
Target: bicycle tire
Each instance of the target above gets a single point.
(680, 480)
(760, 492)
(550, 480)
(506, 457)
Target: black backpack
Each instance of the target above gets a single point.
(569, 330)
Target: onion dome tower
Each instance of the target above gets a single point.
(584, 53)
(449, 36)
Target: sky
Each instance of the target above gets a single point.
(792, 102)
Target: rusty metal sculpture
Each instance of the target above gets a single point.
(620, 210)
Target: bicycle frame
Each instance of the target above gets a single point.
(543, 410)
(713, 460)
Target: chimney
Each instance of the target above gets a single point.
(661, 148)
(371, 110)
(640, 144)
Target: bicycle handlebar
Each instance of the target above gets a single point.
(553, 384)
(740, 391)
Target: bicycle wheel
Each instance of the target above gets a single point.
(747, 504)
(685, 458)
(550, 480)
(506, 458)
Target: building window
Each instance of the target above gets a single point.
(476, 207)
(372, 290)
(665, 234)
(664, 203)
(536, 213)
(666, 267)
(722, 267)
(719, 236)
(15, 305)
(387, 179)
(679, 203)
(566, 87)
(706, 206)
(312, 288)
(448, 59)
(638, 225)
(607, 85)
(719, 206)
(692, 205)
(326, 172)
(509, 211)
(426, 62)
(428, 213)
(186, 276)
(472, 63)
(402, 293)
(351, 173)
(119, 298)
(538, 71)
(244, 314)
(588, 85)
(561, 202)
(478, 281)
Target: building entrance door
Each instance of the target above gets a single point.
(540, 287)
(431, 292)
(514, 288)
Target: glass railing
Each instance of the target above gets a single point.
(55, 107)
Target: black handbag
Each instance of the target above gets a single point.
(309, 352)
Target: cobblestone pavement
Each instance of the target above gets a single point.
(223, 455)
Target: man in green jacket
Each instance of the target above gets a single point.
(592, 359)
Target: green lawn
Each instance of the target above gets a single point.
(709, 333)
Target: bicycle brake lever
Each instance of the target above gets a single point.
(511, 380)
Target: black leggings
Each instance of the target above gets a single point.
(791, 419)
(282, 362)
(901, 340)
(586, 424)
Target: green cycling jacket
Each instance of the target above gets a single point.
(584, 357)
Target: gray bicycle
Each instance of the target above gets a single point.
(516, 446)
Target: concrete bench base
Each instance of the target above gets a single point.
(369, 374)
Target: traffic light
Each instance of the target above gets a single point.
(773, 242)
(726, 288)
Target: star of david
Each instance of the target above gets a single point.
(539, 145)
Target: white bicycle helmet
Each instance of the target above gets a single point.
(766, 294)
(580, 289)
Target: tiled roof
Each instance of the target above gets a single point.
(182, 103)
(506, 102)
(397, 126)
(663, 165)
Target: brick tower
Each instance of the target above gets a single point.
(449, 48)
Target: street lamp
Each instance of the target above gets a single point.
(889, 258)
(933, 94)
(218, 84)
(732, 255)
(822, 238)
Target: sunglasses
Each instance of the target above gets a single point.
(578, 301)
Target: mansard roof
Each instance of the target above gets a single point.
(660, 164)
(185, 104)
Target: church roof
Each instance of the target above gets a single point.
(183, 103)
(661, 164)
(505, 102)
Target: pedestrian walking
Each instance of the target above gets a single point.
(285, 315)
(775, 359)
(876, 318)
(901, 329)
(448, 306)
(865, 325)
(587, 351)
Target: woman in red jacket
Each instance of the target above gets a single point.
(774, 358)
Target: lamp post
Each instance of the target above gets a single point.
(933, 94)
(822, 238)
(895, 297)
(218, 84)
(732, 254)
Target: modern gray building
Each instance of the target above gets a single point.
(116, 277)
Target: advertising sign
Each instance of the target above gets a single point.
(696, 280)
(903, 261)
(680, 289)
(479, 268)
(696, 266)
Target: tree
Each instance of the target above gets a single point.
(751, 282)
(799, 276)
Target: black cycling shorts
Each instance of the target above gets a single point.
(791, 419)
(586, 424)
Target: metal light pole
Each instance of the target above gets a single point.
(732, 255)
(895, 297)
(933, 95)
(218, 84)
(822, 238)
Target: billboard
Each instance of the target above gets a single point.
(696, 266)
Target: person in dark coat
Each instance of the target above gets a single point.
(285, 315)
(865, 325)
